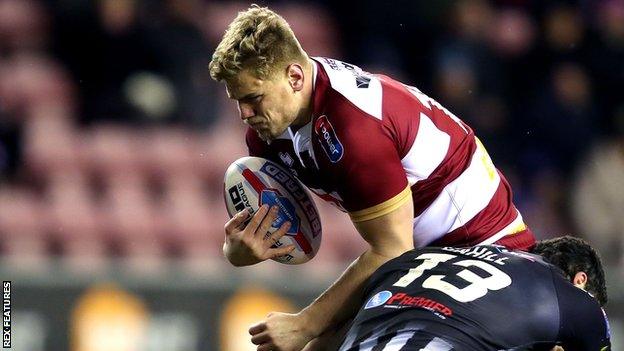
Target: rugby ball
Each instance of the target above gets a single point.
(251, 182)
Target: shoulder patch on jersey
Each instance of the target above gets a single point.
(378, 299)
(359, 87)
(328, 139)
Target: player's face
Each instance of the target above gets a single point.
(268, 106)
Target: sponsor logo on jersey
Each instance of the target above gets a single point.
(378, 299)
(285, 157)
(328, 139)
(402, 300)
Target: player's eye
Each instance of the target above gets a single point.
(252, 99)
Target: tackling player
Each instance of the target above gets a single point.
(439, 299)
(408, 171)
(479, 298)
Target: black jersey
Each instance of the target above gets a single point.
(480, 298)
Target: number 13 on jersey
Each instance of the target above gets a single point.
(477, 288)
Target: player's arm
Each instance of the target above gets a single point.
(376, 193)
(389, 236)
(362, 160)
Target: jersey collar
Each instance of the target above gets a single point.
(320, 89)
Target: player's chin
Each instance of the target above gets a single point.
(267, 134)
(264, 135)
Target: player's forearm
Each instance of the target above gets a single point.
(389, 236)
(342, 300)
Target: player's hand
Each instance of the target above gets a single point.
(280, 332)
(250, 244)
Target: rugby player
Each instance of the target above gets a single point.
(485, 298)
(406, 170)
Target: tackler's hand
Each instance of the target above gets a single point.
(281, 332)
(249, 244)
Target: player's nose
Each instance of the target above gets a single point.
(246, 111)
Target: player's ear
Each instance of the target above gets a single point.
(295, 76)
(580, 280)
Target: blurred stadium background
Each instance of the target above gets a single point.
(114, 141)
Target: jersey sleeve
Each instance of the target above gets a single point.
(583, 324)
(368, 175)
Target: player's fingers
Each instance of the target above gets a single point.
(261, 338)
(257, 218)
(257, 328)
(274, 238)
(274, 253)
(264, 226)
(267, 347)
(236, 221)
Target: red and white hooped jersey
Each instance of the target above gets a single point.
(374, 143)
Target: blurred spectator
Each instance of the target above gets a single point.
(463, 63)
(561, 120)
(33, 89)
(175, 33)
(513, 32)
(598, 195)
(138, 62)
(607, 57)
(10, 147)
(513, 39)
(104, 44)
(564, 31)
(24, 26)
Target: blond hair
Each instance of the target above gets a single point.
(259, 40)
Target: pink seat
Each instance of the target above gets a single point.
(190, 219)
(72, 216)
(169, 152)
(50, 144)
(21, 226)
(129, 217)
(216, 150)
(111, 149)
